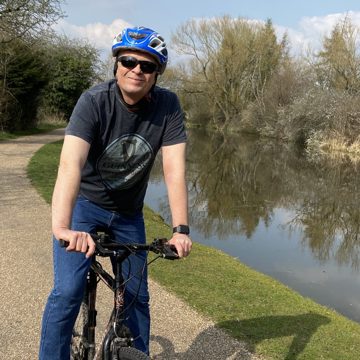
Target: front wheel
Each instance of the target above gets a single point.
(79, 349)
(129, 353)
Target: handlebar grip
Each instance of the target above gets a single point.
(170, 253)
(63, 243)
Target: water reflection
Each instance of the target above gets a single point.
(238, 182)
(327, 210)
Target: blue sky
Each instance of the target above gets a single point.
(305, 21)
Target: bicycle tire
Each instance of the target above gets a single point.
(129, 353)
(79, 345)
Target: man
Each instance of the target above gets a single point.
(110, 144)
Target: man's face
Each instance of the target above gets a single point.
(134, 83)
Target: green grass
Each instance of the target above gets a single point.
(273, 320)
(42, 169)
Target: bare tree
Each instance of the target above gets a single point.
(19, 18)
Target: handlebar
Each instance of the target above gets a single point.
(105, 246)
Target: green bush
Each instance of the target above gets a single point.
(72, 65)
(22, 77)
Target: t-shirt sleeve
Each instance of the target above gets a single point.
(83, 120)
(175, 132)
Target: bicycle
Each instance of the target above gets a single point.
(117, 343)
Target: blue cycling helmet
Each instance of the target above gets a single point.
(142, 39)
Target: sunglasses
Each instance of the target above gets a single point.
(130, 62)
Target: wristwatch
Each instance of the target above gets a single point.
(181, 229)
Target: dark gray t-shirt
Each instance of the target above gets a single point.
(124, 143)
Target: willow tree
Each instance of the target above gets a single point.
(339, 62)
(231, 61)
(338, 77)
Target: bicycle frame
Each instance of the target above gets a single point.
(115, 325)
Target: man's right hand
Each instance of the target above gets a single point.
(78, 241)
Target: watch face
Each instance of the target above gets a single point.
(181, 229)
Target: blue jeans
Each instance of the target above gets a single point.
(70, 271)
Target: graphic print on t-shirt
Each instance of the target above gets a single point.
(124, 161)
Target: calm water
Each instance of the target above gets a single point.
(293, 219)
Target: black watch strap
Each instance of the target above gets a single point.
(181, 229)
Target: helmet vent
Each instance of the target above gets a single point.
(136, 35)
(155, 43)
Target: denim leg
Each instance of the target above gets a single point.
(70, 270)
(132, 230)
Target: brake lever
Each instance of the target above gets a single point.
(166, 250)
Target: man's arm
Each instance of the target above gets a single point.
(73, 157)
(174, 173)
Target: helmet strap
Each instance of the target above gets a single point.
(115, 67)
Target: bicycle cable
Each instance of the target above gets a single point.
(140, 273)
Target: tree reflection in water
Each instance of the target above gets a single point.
(236, 182)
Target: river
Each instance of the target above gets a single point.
(275, 210)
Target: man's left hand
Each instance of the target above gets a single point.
(183, 244)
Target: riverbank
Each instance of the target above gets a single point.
(270, 318)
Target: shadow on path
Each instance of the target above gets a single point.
(251, 332)
(208, 345)
(300, 327)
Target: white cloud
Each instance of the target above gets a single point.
(324, 24)
(306, 37)
(312, 30)
(99, 35)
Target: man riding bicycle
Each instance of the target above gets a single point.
(110, 144)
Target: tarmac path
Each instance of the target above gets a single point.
(178, 332)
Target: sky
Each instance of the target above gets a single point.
(305, 21)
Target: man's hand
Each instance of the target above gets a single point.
(78, 241)
(182, 244)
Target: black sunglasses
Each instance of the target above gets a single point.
(130, 62)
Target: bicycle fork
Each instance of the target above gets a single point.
(91, 297)
(117, 331)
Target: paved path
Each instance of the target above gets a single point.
(26, 274)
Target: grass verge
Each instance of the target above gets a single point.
(40, 128)
(272, 319)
